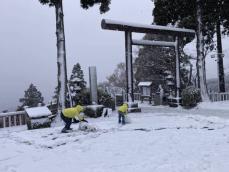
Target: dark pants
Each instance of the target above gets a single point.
(68, 121)
(121, 117)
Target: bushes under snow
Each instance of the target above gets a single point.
(190, 97)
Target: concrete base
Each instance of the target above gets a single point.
(133, 110)
(133, 107)
(172, 102)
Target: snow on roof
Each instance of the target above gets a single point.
(145, 84)
(38, 112)
(94, 107)
(76, 80)
(169, 77)
(123, 26)
(170, 83)
(77, 88)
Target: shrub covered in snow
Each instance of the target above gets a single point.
(94, 111)
(105, 99)
(190, 97)
(85, 97)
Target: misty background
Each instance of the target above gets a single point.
(28, 44)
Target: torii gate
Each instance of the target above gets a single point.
(128, 28)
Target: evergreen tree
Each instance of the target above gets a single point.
(152, 63)
(32, 97)
(77, 84)
(200, 15)
(55, 97)
(77, 76)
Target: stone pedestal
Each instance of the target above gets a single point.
(133, 107)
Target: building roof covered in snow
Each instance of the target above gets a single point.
(37, 112)
(141, 28)
(147, 84)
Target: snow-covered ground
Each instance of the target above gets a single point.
(160, 139)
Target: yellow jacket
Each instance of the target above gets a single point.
(123, 108)
(73, 112)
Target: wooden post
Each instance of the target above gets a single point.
(178, 81)
(4, 121)
(20, 120)
(9, 121)
(221, 78)
(129, 66)
(15, 120)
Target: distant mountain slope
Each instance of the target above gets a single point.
(211, 63)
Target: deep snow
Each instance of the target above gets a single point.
(160, 139)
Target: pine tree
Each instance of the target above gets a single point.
(32, 97)
(152, 62)
(55, 96)
(77, 76)
(77, 83)
(199, 15)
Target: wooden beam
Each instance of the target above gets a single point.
(12, 113)
(140, 28)
(178, 79)
(153, 43)
(4, 122)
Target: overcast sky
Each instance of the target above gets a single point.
(28, 43)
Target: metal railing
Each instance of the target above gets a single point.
(10, 119)
(215, 97)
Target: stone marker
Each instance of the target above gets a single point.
(93, 84)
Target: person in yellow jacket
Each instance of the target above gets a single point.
(122, 111)
(71, 113)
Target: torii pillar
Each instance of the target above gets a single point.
(129, 67)
(128, 28)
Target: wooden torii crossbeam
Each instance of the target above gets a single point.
(128, 28)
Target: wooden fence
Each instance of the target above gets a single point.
(137, 97)
(215, 97)
(10, 119)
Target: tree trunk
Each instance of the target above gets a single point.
(61, 57)
(200, 53)
(197, 74)
(220, 58)
(190, 75)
